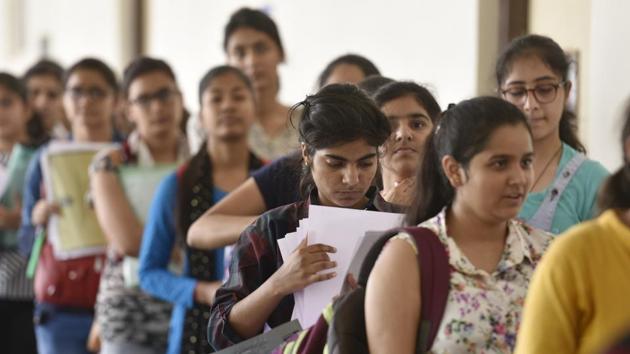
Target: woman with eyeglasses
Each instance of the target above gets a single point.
(130, 320)
(65, 290)
(578, 298)
(532, 74)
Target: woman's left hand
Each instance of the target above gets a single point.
(402, 193)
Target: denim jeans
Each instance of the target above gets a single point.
(59, 331)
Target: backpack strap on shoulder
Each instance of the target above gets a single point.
(347, 332)
(435, 284)
(180, 171)
(372, 256)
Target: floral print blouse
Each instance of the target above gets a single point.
(483, 311)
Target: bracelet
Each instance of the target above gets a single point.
(105, 164)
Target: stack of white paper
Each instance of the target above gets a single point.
(343, 229)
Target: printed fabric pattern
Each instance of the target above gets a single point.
(483, 311)
(129, 314)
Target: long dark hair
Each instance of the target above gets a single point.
(221, 70)
(256, 20)
(44, 67)
(35, 130)
(371, 84)
(142, 66)
(547, 50)
(93, 64)
(420, 93)
(615, 192)
(199, 164)
(396, 89)
(463, 132)
(336, 115)
(364, 64)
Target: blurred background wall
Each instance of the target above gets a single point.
(450, 45)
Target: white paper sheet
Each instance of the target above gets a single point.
(361, 252)
(287, 245)
(343, 229)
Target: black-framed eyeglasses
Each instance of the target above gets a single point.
(543, 93)
(164, 96)
(95, 93)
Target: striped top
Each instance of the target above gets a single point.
(13, 282)
(4, 158)
(4, 175)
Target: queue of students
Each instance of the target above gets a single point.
(536, 262)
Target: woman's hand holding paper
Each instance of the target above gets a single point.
(303, 267)
(42, 211)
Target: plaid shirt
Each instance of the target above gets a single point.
(255, 258)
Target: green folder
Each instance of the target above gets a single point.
(35, 252)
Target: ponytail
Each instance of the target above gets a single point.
(434, 192)
(462, 132)
(615, 193)
(568, 131)
(197, 166)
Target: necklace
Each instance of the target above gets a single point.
(545, 168)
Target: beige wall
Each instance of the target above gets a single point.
(488, 46)
(599, 30)
(431, 41)
(569, 23)
(74, 29)
(449, 45)
(609, 82)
